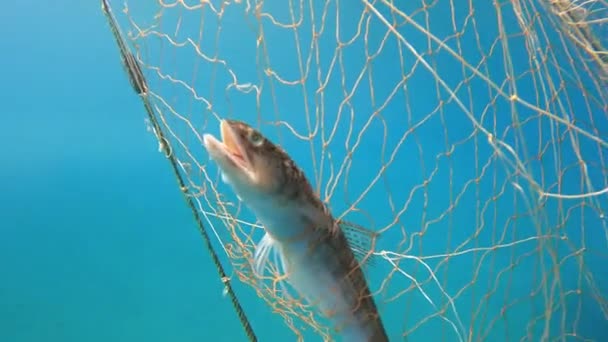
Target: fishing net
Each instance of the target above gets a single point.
(470, 136)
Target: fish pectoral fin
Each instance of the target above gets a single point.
(361, 241)
(263, 250)
(261, 254)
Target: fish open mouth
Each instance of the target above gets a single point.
(230, 148)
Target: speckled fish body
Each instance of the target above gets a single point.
(300, 232)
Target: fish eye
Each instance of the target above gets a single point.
(255, 138)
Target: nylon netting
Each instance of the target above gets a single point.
(470, 135)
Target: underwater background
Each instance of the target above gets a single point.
(97, 244)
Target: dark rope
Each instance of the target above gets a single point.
(138, 82)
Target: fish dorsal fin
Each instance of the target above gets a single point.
(361, 241)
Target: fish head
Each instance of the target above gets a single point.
(249, 162)
(266, 179)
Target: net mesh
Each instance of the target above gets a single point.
(470, 135)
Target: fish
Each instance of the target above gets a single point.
(299, 230)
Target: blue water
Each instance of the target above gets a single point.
(97, 243)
